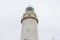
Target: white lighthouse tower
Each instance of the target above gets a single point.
(29, 25)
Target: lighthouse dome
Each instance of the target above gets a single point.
(29, 9)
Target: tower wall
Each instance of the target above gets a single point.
(29, 29)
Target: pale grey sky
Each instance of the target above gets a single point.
(48, 12)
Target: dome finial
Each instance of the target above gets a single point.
(29, 5)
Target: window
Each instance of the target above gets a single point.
(29, 15)
(25, 39)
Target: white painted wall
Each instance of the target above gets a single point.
(29, 29)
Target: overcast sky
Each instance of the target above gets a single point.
(48, 13)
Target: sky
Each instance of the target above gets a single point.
(48, 14)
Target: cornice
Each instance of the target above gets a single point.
(29, 18)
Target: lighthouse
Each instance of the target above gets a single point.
(29, 23)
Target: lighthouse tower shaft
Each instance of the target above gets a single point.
(29, 25)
